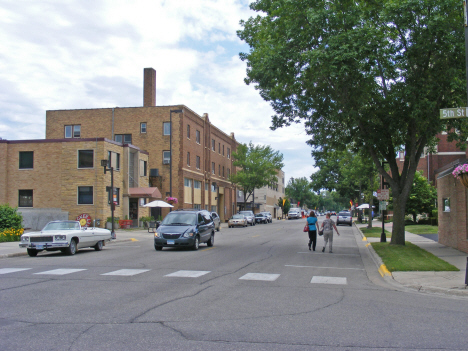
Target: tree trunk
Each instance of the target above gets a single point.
(398, 231)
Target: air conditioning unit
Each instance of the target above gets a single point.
(154, 172)
(166, 162)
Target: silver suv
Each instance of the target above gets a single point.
(250, 217)
(294, 214)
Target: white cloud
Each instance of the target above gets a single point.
(71, 54)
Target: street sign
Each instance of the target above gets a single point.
(383, 205)
(457, 112)
(383, 194)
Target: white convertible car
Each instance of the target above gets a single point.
(66, 236)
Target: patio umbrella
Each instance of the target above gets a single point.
(157, 203)
(363, 206)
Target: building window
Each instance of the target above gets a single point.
(188, 182)
(197, 162)
(143, 127)
(188, 159)
(223, 171)
(123, 138)
(196, 184)
(143, 168)
(207, 186)
(198, 136)
(197, 206)
(219, 148)
(213, 209)
(213, 145)
(73, 131)
(85, 195)
(228, 153)
(26, 159)
(213, 168)
(213, 187)
(223, 150)
(116, 197)
(166, 157)
(228, 172)
(166, 128)
(207, 207)
(219, 170)
(114, 160)
(85, 158)
(188, 131)
(25, 198)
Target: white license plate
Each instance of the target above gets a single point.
(170, 242)
(39, 247)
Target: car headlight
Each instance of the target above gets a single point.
(157, 235)
(60, 237)
(24, 238)
(188, 234)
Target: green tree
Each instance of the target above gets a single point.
(299, 189)
(422, 197)
(372, 75)
(258, 165)
(10, 218)
(285, 206)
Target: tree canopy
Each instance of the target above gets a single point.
(371, 76)
(422, 197)
(258, 166)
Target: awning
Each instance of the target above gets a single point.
(144, 192)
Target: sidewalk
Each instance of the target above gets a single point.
(452, 283)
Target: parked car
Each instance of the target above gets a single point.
(249, 215)
(294, 214)
(261, 218)
(269, 217)
(216, 220)
(237, 220)
(344, 217)
(66, 236)
(185, 228)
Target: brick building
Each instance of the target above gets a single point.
(63, 178)
(188, 157)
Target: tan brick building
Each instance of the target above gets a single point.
(63, 178)
(196, 174)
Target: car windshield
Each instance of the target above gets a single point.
(259, 215)
(180, 219)
(62, 226)
(247, 213)
(238, 216)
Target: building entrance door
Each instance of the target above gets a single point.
(133, 211)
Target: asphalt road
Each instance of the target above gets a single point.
(258, 288)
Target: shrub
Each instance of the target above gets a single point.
(10, 218)
(11, 234)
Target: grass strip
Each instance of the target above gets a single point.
(409, 258)
(374, 232)
(422, 229)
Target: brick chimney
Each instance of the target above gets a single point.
(149, 87)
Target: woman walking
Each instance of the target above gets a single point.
(328, 226)
(313, 224)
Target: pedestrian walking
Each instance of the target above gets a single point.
(327, 225)
(313, 224)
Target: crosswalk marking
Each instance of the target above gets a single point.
(187, 274)
(12, 270)
(61, 271)
(127, 272)
(328, 280)
(260, 276)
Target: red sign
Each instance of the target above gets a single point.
(84, 219)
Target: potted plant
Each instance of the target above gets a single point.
(109, 222)
(461, 173)
(171, 200)
(145, 220)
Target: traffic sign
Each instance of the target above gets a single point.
(457, 112)
(383, 194)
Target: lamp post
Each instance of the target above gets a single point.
(105, 164)
(383, 237)
(170, 147)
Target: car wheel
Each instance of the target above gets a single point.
(158, 248)
(350, 224)
(71, 250)
(32, 252)
(98, 246)
(219, 227)
(196, 243)
(211, 241)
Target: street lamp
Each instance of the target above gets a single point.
(105, 164)
(170, 147)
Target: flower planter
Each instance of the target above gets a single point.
(464, 179)
(125, 223)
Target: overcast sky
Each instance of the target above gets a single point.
(76, 54)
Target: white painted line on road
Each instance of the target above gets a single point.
(127, 272)
(188, 274)
(328, 280)
(12, 270)
(61, 271)
(260, 276)
(290, 265)
(334, 254)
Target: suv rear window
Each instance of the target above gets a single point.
(344, 214)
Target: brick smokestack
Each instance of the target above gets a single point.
(149, 87)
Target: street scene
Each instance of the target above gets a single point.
(234, 175)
